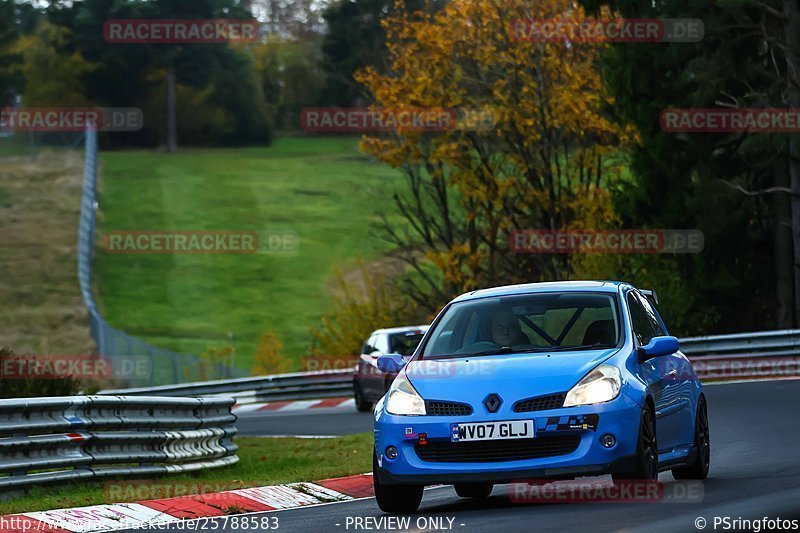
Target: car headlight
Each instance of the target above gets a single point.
(600, 385)
(403, 399)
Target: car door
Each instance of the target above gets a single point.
(682, 381)
(376, 382)
(368, 369)
(656, 372)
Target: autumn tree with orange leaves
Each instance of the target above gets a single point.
(542, 165)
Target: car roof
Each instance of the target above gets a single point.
(552, 286)
(401, 329)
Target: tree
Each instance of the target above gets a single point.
(371, 301)
(53, 72)
(290, 77)
(355, 39)
(468, 189)
(721, 183)
(131, 73)
(268, 357)
(11, 80)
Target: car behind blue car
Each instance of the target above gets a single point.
(539, 381)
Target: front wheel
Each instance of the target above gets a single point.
(362, 405)
(646, 450)
(395, 498)
(473, 490)
(702, 443)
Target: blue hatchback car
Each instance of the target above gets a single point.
(539, 381)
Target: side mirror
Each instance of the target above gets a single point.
(663, 345)
(391, 363)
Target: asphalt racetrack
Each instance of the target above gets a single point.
(755, 473)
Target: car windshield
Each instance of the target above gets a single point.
(549, 322)
(404, 343)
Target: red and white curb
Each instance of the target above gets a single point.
(145, 514)
(298, 405)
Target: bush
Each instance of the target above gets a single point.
(215, 362)
(360, 307)
(268, 358)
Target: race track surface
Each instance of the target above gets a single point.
(320, 422)
(755, 472)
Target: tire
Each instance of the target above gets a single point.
(362, 405)
(702, 442)
(474, 490)
(646, 450)
(395, 498)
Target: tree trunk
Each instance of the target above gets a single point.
(790, 27)
(172, 133)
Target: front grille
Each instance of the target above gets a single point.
(440, 408)
(444, 451)
(540, 403)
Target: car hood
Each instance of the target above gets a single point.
(513, 376)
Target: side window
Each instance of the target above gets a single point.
(444, 337)
(642, 327)
(382, 343)
(652, 316)
(369, 346)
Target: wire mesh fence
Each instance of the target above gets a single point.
(135, 362)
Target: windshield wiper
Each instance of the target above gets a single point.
(497, 351)
(580, 347)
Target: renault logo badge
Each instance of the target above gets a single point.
(493, 402)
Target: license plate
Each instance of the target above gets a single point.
(509, 429)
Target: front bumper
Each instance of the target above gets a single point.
(619, 417)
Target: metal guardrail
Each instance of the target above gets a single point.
(714, 357)
(296, 386)
(46, 440)
(745, 356)
(763, 343)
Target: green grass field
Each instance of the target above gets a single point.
(262, 461)
(322, 189)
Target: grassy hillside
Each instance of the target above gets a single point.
(41, 308)
(322, 189)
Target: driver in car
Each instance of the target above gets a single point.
(506, 330)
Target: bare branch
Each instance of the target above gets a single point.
(762, 192)
(770, 10)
